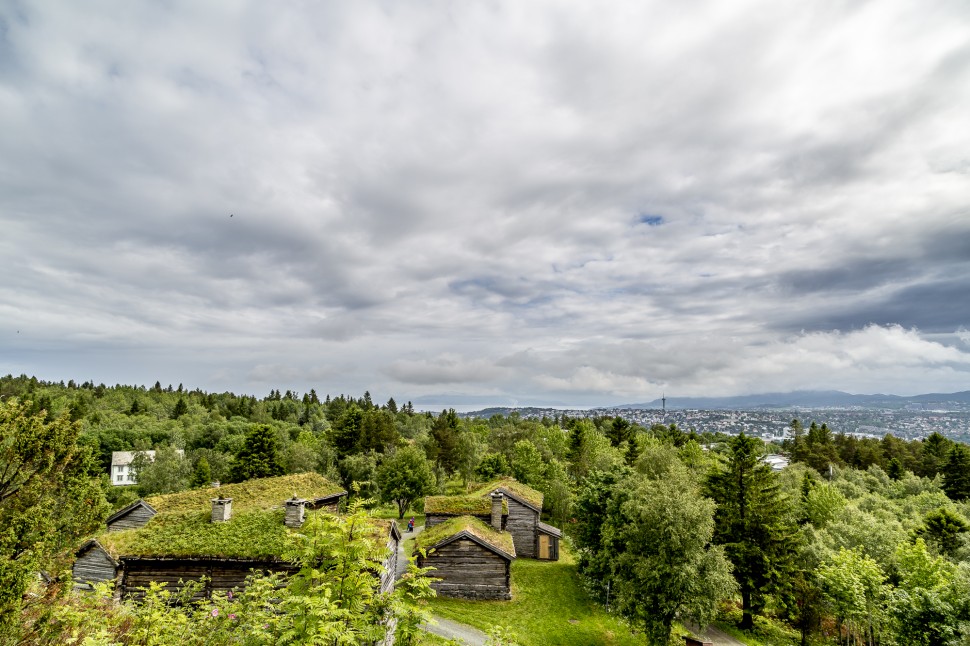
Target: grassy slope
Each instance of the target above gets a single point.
(545, 597)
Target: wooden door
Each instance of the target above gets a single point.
(543, 546)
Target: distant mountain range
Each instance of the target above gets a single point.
(812, 399)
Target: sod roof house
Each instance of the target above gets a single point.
(221, 534)
(533, 538)
(438, 509)
(472, 559)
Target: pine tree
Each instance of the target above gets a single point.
(753, 522)
(956, 472)
(202, 475)
(259, 456)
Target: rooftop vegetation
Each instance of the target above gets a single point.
(262, 493)
(249, 534)
(461, 505)
(489, 535)
(524, 492)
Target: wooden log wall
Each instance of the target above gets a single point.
(522, 525)
(469, 571)
(222, 576)
(134, 519)
(94, 566)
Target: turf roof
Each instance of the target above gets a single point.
(486, 533)
(461, 505)
(262, 493)
(515, 487)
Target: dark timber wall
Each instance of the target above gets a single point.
(94, 566)
(522, 525)
(134, 519)
(223, 574)
(469, 571)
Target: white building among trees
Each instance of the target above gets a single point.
(121, 471)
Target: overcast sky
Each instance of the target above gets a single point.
(573, 203)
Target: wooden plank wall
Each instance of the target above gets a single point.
(134, 519)
(469, 571)
(94, 566)
(522, 525)
(223, 575)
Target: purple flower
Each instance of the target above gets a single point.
(229, 594)
(232, 615)
(215, 612)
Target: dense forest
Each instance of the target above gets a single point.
(859, 541)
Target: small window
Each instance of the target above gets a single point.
(118, 479)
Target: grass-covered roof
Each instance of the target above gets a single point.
(262, 493)
(515, 487)
(475, 527)
(255, 533)
(461, 505)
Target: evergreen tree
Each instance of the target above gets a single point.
(753, 522)
(956, 472)
(443, 448)
(259, 456)
(181, 408)
(202, 474)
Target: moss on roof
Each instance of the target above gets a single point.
(515, 487)
(262, 493)
(461, 505)
(249, 534)
(488, 534)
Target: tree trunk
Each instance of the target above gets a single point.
(747, 620)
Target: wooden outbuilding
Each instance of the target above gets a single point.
(221, 533)
(135, 515)
(533, 539)
(471, 559)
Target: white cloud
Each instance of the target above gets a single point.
(423, 194)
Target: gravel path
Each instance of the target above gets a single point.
(713, 635)
(402, 557)
(453, 630)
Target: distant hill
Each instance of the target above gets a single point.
(812, 399)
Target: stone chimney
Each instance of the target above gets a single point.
(221, 509)
(497, 510)
(215, 484)
(295, 512)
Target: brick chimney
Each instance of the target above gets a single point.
(295, 512)
(221, 509)
(497, 510)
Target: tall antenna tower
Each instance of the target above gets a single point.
(663, 400)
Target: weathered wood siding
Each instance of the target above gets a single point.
(468, 571)
(522, 525)
(222, 576)
(390, 567)
(134, 519)
(94, 566)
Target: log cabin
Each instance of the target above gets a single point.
(193, 534)
(471, 559)
(533, 538)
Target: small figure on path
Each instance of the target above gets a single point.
(411, 524)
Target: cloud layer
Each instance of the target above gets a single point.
(558, 202)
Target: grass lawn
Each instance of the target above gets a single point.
(548, 606)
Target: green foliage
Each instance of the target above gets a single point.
(202, 474)
(493, 465)
(404, 477)
(527, 464)
(443, 445)
(259, 456)
(263, 493)
(854, 586)
(944, 529)
(657, 539)
(431, 536)
(956, 472)
(753, 523)
(170, 471)
(50, 497)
